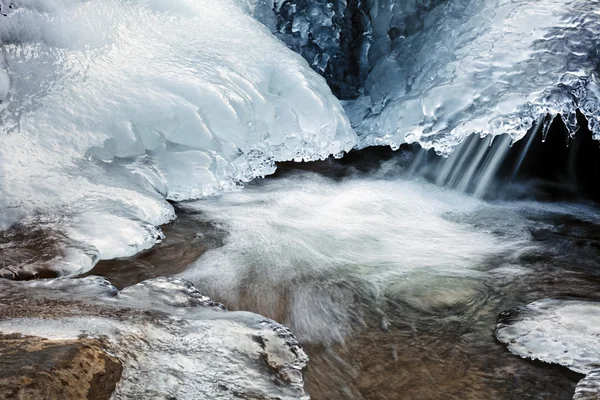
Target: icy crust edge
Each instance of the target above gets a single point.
(560, 331)
(534, 114)
(557, 331)
(526, 63)
(160, 319)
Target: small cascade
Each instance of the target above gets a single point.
(472, 168)
(547, 163)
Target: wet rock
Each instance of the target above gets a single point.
(187, 238)
(34, 250)
(35, 368)
(172, 342)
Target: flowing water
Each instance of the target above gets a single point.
(392, 284)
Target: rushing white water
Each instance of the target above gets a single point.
(173, 342)
(335, 260)
(316, 254)
(109, 107)
(470, 168)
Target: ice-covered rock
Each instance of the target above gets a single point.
(560, 331)
(114, 106)
(564, 332)
(172, 341)
(484, 67)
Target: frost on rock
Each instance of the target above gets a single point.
(484, 67)
(565, 332)
(114, 106)
(172, 341)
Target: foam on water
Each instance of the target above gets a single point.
(114, 106)
(318, 251)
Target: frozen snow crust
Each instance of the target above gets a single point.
(110, 107)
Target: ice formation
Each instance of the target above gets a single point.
(441, 70)
(589, 387)
(173, 342)
(109, 107)
(564, 332)
(330, 35)
(484, 67)
(341, 39)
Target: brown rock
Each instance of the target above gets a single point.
(32, 368)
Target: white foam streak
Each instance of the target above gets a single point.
(326, 244)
